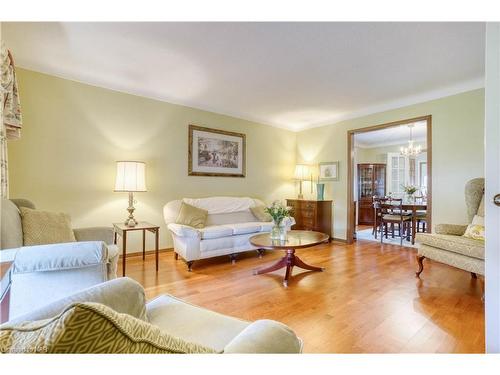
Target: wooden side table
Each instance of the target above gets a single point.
(122, 229)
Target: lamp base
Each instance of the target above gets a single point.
(130, 221)
(300, 196)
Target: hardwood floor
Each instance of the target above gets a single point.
(368, 299)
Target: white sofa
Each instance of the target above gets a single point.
(229, 226)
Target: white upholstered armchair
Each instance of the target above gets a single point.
(45, 273)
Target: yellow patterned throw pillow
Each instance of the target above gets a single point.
(192, 216)
(475, 230)
(42, 227)
(92, 328)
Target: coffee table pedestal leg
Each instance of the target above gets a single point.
(289, 261)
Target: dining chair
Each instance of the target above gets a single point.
(421, 216)
(391, 212)
(376, 213)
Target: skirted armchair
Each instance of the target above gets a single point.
(447, 245)
(45, 273)
(133, 326)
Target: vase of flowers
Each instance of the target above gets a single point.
(278, 212)
(410, 191)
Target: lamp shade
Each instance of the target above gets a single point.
(302, 172)
(130, 176)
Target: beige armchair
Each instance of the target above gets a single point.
(447, 245)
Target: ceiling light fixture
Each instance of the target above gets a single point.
(411, 150)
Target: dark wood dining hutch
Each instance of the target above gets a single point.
(371, 181)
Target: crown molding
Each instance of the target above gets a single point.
(455, 89)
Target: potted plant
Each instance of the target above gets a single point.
(278, 212)
(410, 190)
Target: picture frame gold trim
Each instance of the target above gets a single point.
(215, 131)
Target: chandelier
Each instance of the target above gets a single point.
(411, 150)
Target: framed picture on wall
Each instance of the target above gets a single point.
(214, 152)
(329, 171)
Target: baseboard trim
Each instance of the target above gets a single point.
(148, 252)
(339, 240)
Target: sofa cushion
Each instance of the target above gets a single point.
(192, 216)
(215, 231)
(184, 230)
(260, 213)
(92, 328)
(193, 323)
(245, 228)
(457, 244)
(266, 227)
(230, 218)
(42, 227)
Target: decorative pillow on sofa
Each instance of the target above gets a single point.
(475, 230)
(260, 213)
(192, 216)
(92, 328)
(42, 227)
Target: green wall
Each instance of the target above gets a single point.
(457, 152)
(73, 133)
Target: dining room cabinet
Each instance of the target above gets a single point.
(371, 182)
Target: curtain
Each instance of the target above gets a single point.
(4, 173)
(10, 127)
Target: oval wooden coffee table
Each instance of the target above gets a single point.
(297, 239)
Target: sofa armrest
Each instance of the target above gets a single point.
(184, 230)
(104, 234)
(123, 295)
(61, 256)
(265, 336)
(289, 222)
(453, 229)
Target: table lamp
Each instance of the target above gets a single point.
(130, 177)
(302, 173)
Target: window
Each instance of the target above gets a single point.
(397, 173)
(402, 170)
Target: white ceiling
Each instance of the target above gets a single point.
(396, 135)
(291, 75)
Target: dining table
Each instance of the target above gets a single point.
(413, 205)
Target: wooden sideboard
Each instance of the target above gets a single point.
(312, 215)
